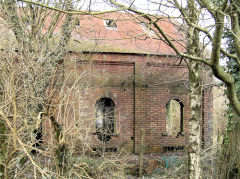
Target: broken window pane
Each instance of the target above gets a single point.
(174, 118)
(146, 28)
(110, 24)
(105, 109)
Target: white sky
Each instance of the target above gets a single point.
(143, 5)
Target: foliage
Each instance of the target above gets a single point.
(233, 69)
(230, 150)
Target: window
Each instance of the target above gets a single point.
(110, 24)
(146, 28)
(174, 117)
(77, 23)
(173, 148)
(105, 119)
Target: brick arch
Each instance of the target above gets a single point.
(176, 117)
(105, 118)
(107, 94)
(177, 98)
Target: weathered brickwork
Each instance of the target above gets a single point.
(140, 87)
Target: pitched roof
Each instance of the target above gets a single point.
(132, 34)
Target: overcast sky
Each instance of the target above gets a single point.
(143, 5)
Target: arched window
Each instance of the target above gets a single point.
(105, 118)
(174, 117)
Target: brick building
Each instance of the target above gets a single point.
(135, 81)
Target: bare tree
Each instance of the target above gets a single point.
(210, 10)
(223, 13)
(35, 92)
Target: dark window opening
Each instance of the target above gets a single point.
(77, 23)
(174, 118)
(107, 149)
(38, 138)
(105, 119)
(173, 148)
(38, 132)
(110, 24)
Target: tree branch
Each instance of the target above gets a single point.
(70, 12)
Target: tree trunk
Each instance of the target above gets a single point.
(194, 121)
(195, 85)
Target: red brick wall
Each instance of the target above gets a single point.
(140, 86)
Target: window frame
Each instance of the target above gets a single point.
(181, 126)
(112, 25)
(105, 119)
